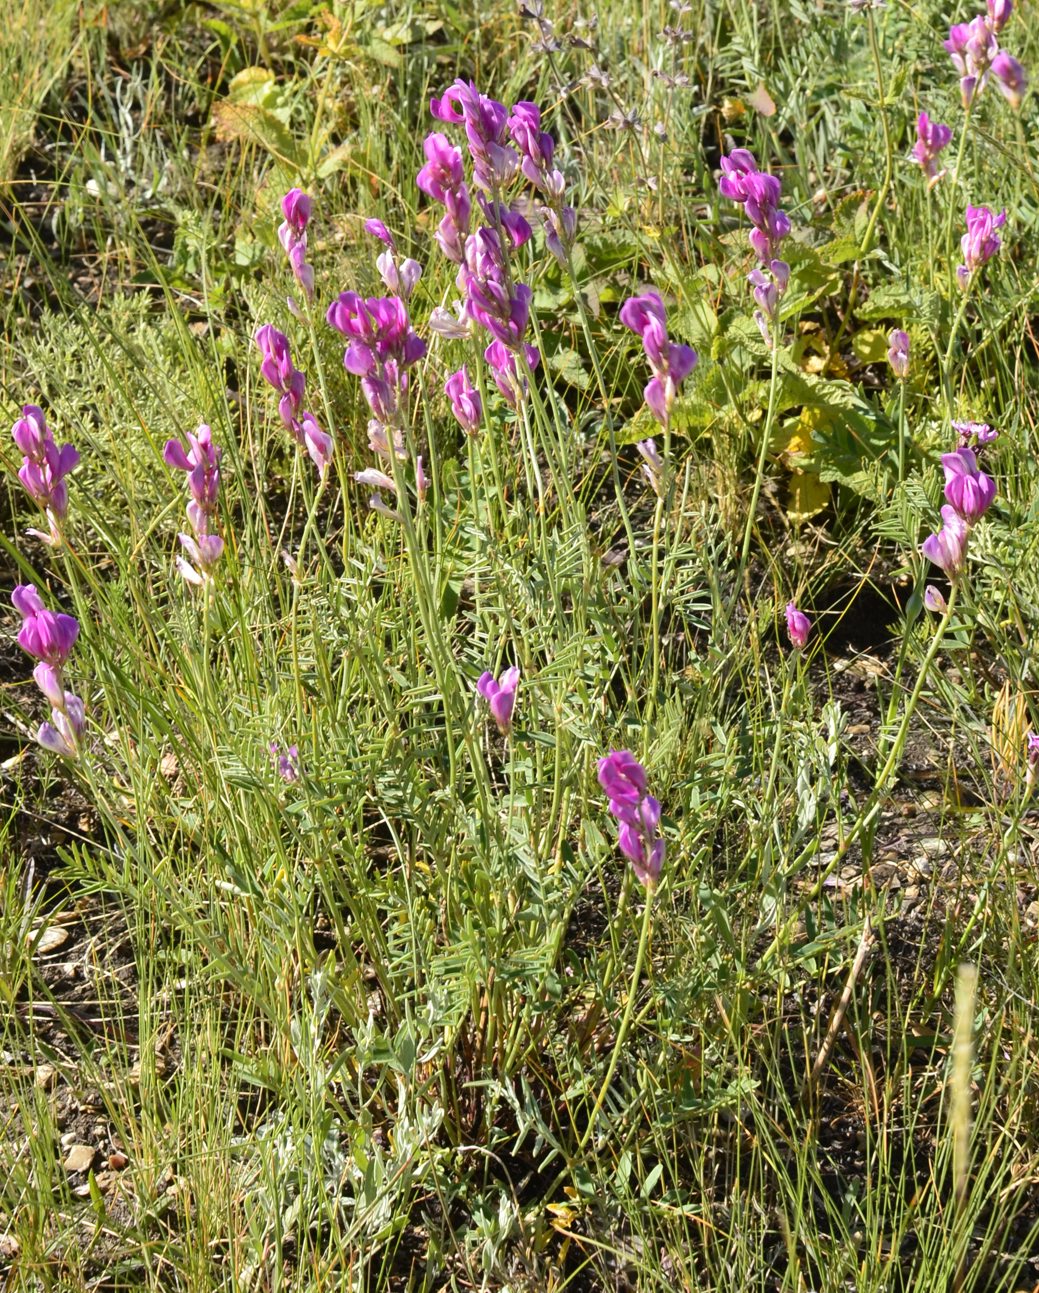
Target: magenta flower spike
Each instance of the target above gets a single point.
(981, 241)
(202, 548)
(296, 207)
(46, 635)
(898, 353)
(967, 488)
(500, 696)
(43, 470)
(798, 626)
(638, 814)
(948, 548)
(1032, 748)
(670, 363)
(466, 404)
(759, 194)
(931, 139)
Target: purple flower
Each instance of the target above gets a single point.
(295, 207)
(443, 172)
(287, 764)
(465, 401)
(44, 468)
(652, 466)
(972, 47)
(509, 375)
(378, 230)
(967, 488)
(948, 548)
(898, 353)
(798, 625)
(1032, 747)
(999, 12)
(1010, 78)
(65, 731)
(202, 464)
(623, 779)
(638, 814)
(500, 696)
(981, 242)
(494, 163)
(46, 635)
(934, 601)
(931, 139)
(318, 444)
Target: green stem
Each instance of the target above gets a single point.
(759, 474)
(622, 1033)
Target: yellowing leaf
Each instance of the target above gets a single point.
(807, 495)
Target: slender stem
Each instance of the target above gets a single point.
(622, 1032)
(902, 430)
(759, 475)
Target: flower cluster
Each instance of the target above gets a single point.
(758, 193)
(44, 468)
(503, 146)
(292, 234)
(978, 433)
(203, 547)
(278, 370)
(975, 51)
(536, 149)
(49, 636)
(623, 779)
(443, 179)
(500, 696)
(980, 243)
(931, 139)
(968, 495)
(382, 347)
(670, 362)
(1032, 754)
(466, 404)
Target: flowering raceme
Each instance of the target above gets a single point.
(203, 547)
(295, 207)
(277, 368)
(466, 404)
(968, 493)
(898, 353)
(759, 193)
(981, 241)
(638, 814)
(670, 362)
(975, 53)
(49, 637)
(931, 139)
(44, 468)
